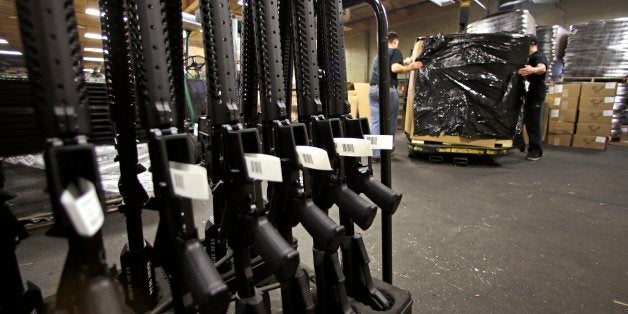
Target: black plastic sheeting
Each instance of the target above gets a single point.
(469, 85)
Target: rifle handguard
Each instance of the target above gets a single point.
(358, 209)
(383, 196)
(209, 291)
(101, 296)
(282, 258)
(326, 233)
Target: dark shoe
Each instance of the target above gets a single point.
(534, 156)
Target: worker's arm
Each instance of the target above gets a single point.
(528, 70)
(398, 68)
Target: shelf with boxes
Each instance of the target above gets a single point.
(582, 114)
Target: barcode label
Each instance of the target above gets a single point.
(263, 167)
(557, 102)
(348, 148)
(307, 159)
(189, 181)
(83, 207)
(610, 85)
(607, 113)
(179, 181)
(256, 166)
(600, 139)
(555, 113)
(354, 147)
(313, 158)
(380, 141)
(609, 100)
(558, 89)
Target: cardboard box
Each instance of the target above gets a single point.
(590, 141)
(549, 99)
(559, 140)
(596, 116)
(353, 103)
(563, 115)
(624, 133)
(565, 103)
(599, 89)
(362, 91)
(565, 90)
(597, 103)
(558, 127)
(595, 129)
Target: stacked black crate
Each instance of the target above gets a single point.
(598, 49)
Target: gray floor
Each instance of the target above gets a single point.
(516, 236)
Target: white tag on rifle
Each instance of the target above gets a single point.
(313, 157)
(263, 167)
(83, 207)
(353, 147)
(189, 180)
(380, 141)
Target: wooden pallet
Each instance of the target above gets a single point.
(442, 138)
(595, 79)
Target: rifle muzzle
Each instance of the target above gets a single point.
(326, 233)
(209, 291)
(358, 209)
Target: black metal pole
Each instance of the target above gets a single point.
(384, 120)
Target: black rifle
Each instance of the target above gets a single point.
(332, 59)
(138, 271)
(14, 296)
(178, 249)
(329, 187)
(53, 58)
(238, 203)
(290, 201)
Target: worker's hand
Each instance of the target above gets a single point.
(526, 71)
(407, 60)
(416, 65)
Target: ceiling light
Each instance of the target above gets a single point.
(10, 52)
(93, 36)
(99, 50)
(3, 41)
(511, 3)
(94, 59)
(443, 2)
(92, 11)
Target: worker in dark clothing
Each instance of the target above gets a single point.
(397, 65)
(534, 72)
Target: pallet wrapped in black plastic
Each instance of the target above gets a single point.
(469, 85)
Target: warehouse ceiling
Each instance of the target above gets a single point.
(357, 18)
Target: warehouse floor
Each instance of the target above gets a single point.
(518, 236)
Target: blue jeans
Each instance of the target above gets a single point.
(374, 104)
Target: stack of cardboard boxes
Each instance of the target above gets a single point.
(580, 114)
(596, 115)
(562, 101)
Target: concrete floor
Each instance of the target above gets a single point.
(514, 236)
